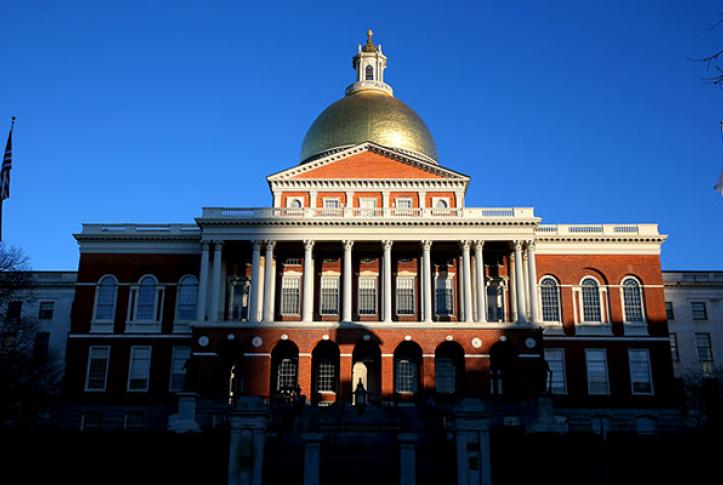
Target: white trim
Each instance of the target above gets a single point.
(605, 338)
(564, 368)
(103, 325)
(154, 325)
(177, 320)
(173, 360)
(136, 336)
(650, 373)
(257, 354)
(607, 372)
(558, 289)
(621, 290)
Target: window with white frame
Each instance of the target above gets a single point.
(632, 300)
(146, 301)
(179, 359)
(597, 371)
(699, 311)
(403, 206)
(105, 298)
(97, 372)
(286, 374)
(294, 203)
(445, 375)
(290, 294)
(369, 73)
(139, 368)
(367, 207)
(444, 295)
(367, 295)
(641, 378)
(550, 299)
(440, 203)
(495, 301)
(187, 296)
(405, 295)
(703, 348)
(329, 295)
(46, 310)
(405, 376)
(325, 376)
(556, 378)
(591, 310)
(330, 203)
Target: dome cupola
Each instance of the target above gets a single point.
(368, 113)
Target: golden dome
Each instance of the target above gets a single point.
(368, 115)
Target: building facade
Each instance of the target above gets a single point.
(370, 280)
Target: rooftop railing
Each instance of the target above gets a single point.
(110, 229)
(597, 229)
(370, 213)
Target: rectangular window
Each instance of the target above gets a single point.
(674, 347)
(325, 381)
(332, 203)
(670, 315)
(179, 359)
(367, 295)
(597, 371)
(329, 295)
(290, 295)
(368, 207)
(406, 376)
(405, 296)
(139, 368)
(641, 379)
(41, 347)
(46, 310)
(97, 372)
(403, 206)
(556, 379)
(15, 310)
(444, 296)
(703, 347)
(698, 309)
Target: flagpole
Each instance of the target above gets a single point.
(2, 196)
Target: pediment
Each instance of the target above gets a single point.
(368, 161)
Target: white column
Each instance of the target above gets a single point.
(347, 281)
(525, 283)
(387, 280)
(519, 283)
(216, 281)
(427, 268)
(481, 282)
(269, 283)
(255, 282)
(312, 199)
(467, 275)
(532, 280)
(202, 283)
(308, 287)
(385, 200)
(511, 293)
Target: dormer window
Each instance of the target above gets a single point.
(369, 73)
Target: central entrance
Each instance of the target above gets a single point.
(366, 367)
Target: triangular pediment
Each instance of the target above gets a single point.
(368, 161)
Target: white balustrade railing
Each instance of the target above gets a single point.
(598, 229)
(356, 212)
(140, 228)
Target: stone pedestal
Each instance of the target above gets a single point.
(312, 458)
(248, 439)
(472, 440)
(185, 420)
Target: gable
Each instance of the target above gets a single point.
(367, 165)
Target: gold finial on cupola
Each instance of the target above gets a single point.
(369, 47)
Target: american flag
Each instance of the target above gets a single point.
(718, 187)
(7, 165)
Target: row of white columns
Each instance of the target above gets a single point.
(523, 296)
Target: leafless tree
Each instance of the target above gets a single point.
(713, 62)
(28, 378)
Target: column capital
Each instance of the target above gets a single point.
(531, 245)
(256, 244)
(218, 244)
(348, 244)
(387, 244)
(465, 244)
(518, 245)
(205, 245)
(479, 245)
(270, 244)
(426, 245)
(308, 244)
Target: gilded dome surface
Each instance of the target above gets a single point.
(368, 115)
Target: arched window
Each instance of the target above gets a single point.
(369, 73)
(550, 299)
(105, 296)
(407, 358)
(448, 367)
(632, 300)
(187, 295)
(591, 300)
(286, 374)
(146, 303)
(441, 204)
(295, 204)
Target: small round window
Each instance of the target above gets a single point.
(440, 204)
(296, 204)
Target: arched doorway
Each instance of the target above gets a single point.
(366, 367)
(325, 373)
(449, 369)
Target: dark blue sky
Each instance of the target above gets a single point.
(145, 111)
